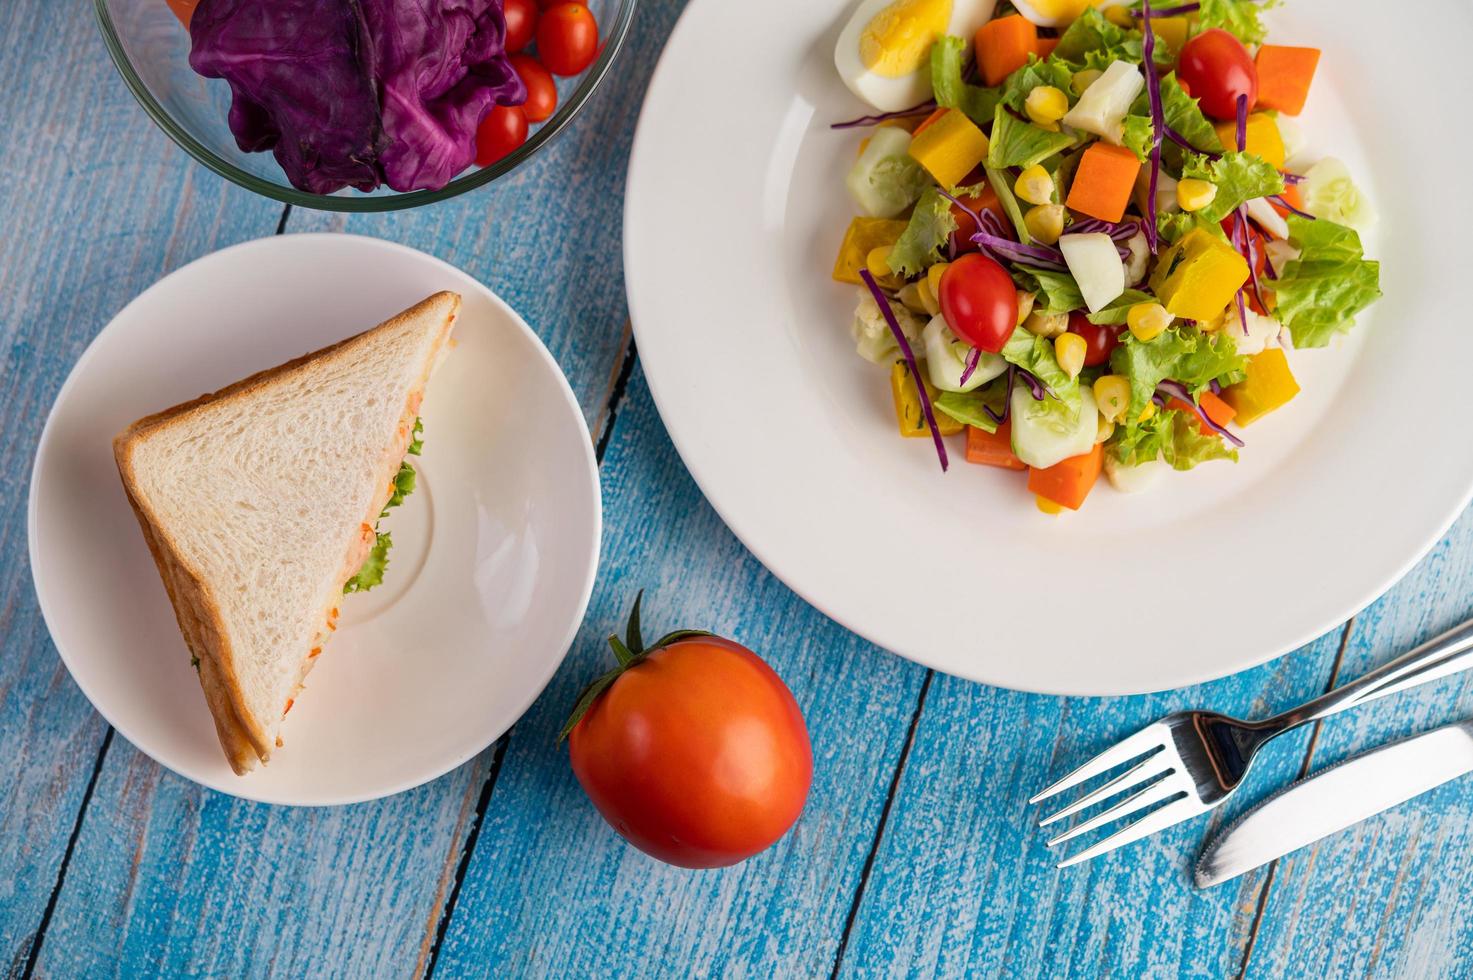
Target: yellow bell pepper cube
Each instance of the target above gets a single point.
(1268, 386)
(950, 147)
(1263, 137)
(908, 412)
(1199, 276)
(1172, 31)
(864, 236)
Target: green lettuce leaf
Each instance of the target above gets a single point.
(1036, 355)
(1171, 435)
(1241, 18)
(1016, 143)
(416, 437)
(998, 180)
(1183, 354)
(1094, 42)
(1183, 114)
(1240, 177)
(951, 92)
(1320, 293)
(403, 487)
(1115, 314)
(372, 572)
(1173, 226)
(1058, 289)
(1137, 135)
(919, 245)
(1053, 71)
(966, 406)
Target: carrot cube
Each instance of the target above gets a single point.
(1284, 76)
(1104, 181)
(1067, 483)
(1003, 46)
(993, 448)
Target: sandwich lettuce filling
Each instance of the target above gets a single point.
(372, 571)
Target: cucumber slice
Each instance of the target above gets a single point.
(1050, 431)
(885, 180)
(946, 359)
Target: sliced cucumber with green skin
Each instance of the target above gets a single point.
(1049, 431)
(885, 180)
(946, 359)
(1133, 479)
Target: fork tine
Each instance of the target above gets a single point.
(1153, 765)
(1156, 792)
(1167, 816)
(1152, 736)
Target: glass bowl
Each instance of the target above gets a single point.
(151, 50)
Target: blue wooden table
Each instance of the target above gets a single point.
(916, 853)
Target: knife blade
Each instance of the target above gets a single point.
(1336, 798)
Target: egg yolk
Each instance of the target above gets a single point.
(897, 41)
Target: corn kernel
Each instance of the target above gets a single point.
(1025, 305)
(1112, 396)
(1147, 412)
(1120, 17)
(1194, 195)
(878, 264)
(1046, 105)
(1046, 325)
(1104, 429)
(933, 277)
(1045, 222)
(1147, 321)
(910, 296)
(1035, 186)
(927, 296)
(1084, 79)
(1069, 350)
(1047, 506)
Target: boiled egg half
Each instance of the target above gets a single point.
(1059, 13)
(884, 52)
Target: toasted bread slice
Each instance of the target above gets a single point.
(258, 502)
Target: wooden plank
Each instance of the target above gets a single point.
(97, 204)
(1392, 892)
(963, 885)
(551, 889)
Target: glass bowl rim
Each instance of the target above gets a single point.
(613, 42)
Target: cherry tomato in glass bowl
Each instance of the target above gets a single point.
(567, 38)
(541, 89)
(503, 130)
(521, 23)
(1099, 340)
(693, 749)
(979, 301)
(1217, 69)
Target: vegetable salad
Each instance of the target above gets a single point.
(1090, 245)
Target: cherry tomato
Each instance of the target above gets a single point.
(503, 130)
(521, 23)
(1216, 68)
(541, 89)
(567, 38)
(696, 754)
(544, 4)
(979, 301)
(1099, 340)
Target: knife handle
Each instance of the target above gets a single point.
(1439, 657)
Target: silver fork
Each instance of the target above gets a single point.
(1194, 760)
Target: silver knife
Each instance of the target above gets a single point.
(1335, 798)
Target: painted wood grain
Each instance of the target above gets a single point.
(963, 885)
(551, 890)
(96, 204)
(1390, 896)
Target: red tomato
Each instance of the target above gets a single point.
(979, 301)
(521, 23)
(541, 89)
(1099, 340)
(544, 4)
(503, 130)
(697, 754)
(567, 38)
(1217, 69)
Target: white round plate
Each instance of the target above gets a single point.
(734, 211)
(494, 553)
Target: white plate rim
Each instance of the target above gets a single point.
(242, 788)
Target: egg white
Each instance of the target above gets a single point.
(893, 94)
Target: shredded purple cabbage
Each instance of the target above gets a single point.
(973, 359)
(1007, 400)
(1178, 390)
(1242, 123)
(1279, 200)
(1037, 255)
(883, 302)
(1037, 388)
(925, 108)
(1291, 178)
(1158, 123)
